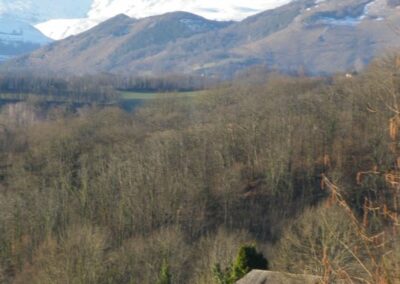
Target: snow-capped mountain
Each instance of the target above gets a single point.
(18, 17)
(101, 10)
(17, 37)
(316, 36)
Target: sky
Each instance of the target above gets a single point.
(213, 9)
(61, 18)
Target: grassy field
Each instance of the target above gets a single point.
(131, 100)
(125, 96)
(11, 96)
(128, 101)
(149, 96)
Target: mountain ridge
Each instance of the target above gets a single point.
(319, 37)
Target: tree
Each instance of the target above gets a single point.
(165, 274)
(247, 259)
(222, 276)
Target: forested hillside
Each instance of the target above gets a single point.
(301, 37)
(305, 169)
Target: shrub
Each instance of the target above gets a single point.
(247, 259)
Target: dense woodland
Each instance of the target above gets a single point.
(304, 169)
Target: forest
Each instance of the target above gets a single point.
(306, 171)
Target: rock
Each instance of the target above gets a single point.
(271, 277)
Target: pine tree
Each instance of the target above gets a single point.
(165, 274)
(247, 259)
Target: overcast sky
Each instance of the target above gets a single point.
(43, 10)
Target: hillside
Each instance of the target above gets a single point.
(311, 36)
(17, 38)
(174, 149)
(118, 42)
(300, 173)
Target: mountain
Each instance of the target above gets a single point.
(18, 35)
(17, 38)
(101, 10)
(118, 41)
(317, 36)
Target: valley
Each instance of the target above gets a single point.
(168, 148)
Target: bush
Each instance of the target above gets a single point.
(77, 257)
(247, 259)
(165, 275)
(322, 241)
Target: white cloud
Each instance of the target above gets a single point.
(34, 11)
(213, 9)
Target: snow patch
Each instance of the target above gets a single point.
(349, 20)
(346, 21)
(195, 24)
(63, 28)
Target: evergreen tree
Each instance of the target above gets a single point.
(165, 274)
(247, 259)
(222, 276)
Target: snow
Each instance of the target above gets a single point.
(376, 9)
(102, 10)
(62, 28)
(194, 24)
(346, 21)
(371, 10)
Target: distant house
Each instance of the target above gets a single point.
(271, 277)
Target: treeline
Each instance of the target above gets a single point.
(306, 169)
(75, 89)
(168, 83)
(92, 88)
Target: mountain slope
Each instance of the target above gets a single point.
(17, 38)
(117, 41)
(311, 35)
(314, 36)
